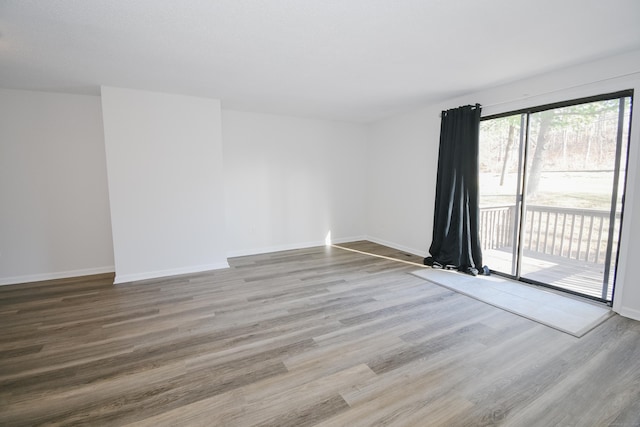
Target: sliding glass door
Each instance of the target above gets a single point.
(501, 159)
(551, 193)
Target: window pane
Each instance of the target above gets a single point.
(500, 143)
(570, 171)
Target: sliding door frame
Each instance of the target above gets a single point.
(619, 182)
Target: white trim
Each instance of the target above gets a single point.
(413, 251)
(16, 280)
(278, 248)
(291, 246)
(127, 278)
(348, 239)
(631, 313)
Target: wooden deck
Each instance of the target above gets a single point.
(576, 276)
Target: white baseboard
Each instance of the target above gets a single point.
(269, 249)
(348, 239)
(57, 275)
(291, 246)
(413, 251)
(631, 313)
(127, 278)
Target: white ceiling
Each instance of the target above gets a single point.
(356, 60)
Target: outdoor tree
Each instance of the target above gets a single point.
(545, 119)
(554, 128)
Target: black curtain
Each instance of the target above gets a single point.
(456, 241)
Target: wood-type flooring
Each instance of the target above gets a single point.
(311, 337)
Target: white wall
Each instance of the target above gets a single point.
(165, 174)
(290, 181)
(403, 158)
(416, 135)
(54, 206)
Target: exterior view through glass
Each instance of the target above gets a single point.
(551, 192)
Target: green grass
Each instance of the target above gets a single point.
(582, 190)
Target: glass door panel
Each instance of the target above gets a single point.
(571, 215)
(500, 182)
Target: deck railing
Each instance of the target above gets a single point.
(496, 226)
(579, 234)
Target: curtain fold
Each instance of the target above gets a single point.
(456, 240)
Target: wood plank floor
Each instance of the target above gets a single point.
(319, 336)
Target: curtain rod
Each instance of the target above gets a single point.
(461, 106)
(563, 89)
